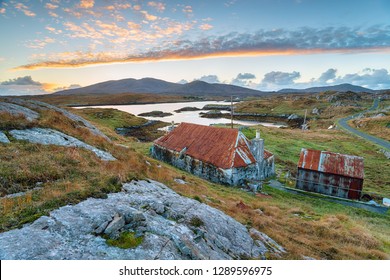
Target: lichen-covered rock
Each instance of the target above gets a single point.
(3, 138)
(186, 229)
(15, 110)
(53, 137)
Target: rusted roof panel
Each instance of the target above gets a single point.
(267, 154)
(222, 147)
(334, 163)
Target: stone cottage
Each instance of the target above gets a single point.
(221, 155)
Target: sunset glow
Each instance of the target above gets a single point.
(83, 42)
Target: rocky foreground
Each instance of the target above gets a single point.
(172, 227)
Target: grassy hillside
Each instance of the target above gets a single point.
(304, 226)
(323, 109)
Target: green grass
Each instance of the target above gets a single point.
(126, 240)
(111, 118)
(286, 144)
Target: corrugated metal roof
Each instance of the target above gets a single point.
(334, 163)
(222, 147)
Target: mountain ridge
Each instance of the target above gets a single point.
(156, 86)
(194, 88)
(341, 87)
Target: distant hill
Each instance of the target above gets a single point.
(155, 86)
(341, 88)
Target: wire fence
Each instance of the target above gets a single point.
(360, 192)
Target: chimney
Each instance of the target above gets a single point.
(257, 149)
(172, 127)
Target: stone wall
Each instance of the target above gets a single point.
(268, 168)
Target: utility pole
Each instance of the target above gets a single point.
(231, 111)
(304, 121)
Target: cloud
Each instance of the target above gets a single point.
(230, 3)
(39, 44)
(263, 42)
(73, 86)
(158, 5)
(205, 26)
(51, 6)
(280, 78)
(27, 86)
(2, 10)
(21, 81)
(86, 4)
(149, 16)
(53, 14)
(211, 79)
(328, 75)
(246, 76)
(182, 81)
(53, 30)
(23, 8)
(244, 80)
(13, 90)
(187, 9)
(82, 31)
(372, 78)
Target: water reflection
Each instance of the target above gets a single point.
(188, 116)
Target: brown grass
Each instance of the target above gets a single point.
(379, 127)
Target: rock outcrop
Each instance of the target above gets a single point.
(171, 227)
(3, 138)
(46, 136)
(38, 105)
(15, 110)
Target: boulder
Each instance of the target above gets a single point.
(315, 111)
(187, 229)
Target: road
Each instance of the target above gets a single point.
(378, 141)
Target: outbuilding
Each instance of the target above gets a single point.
(330, 173)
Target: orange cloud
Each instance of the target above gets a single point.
(53, 30)
(149, 16)
(86, 4)
(80, 59)
(51, 6)
(39, 44)
(158, 5)
(52, 14)
(23, 8)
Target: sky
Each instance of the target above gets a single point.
(262, 44)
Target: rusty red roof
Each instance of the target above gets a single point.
(334, 163)
(221, 147)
